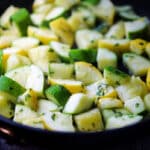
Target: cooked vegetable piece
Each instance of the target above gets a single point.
(106, 58)
(114, 76)
(11, 87)
(61, 71)
(137, 28)
(136, 64)
(72, 85)
(22, 20)
(135, 105)
(63, 30)
(87, 73)
(58, 94)
(89, 121)
(78, 103)
(88, 55)
(122, 121)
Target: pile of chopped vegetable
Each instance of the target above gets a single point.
(74, 65)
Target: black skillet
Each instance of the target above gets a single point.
(23, 134)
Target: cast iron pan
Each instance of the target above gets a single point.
(23, 134)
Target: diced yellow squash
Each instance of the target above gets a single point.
(38, 3)
(89, 121)
(25, 43)
(6, 108)
(147, 49)
(148, 79)
(6, 40)
(105, 10)
(12, 50)
(37, 122)
(118, 46)
(86, 38)
(15, 60)
(107, 103)
(29, 98)
(63, 30)
(87, 73)
(81, 19)
(44, 35)
(138, 46)
(5, 18)
(42, 56)
(23, 112)
(135, 87)
(72, 85)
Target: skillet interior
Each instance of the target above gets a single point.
(46, 138)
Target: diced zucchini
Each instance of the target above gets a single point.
(5, 17)
(118, 46)
(136, 64)
(147, 49)
(137, 28)
(30, 77)
(147, 101)
(105, 10)
(55, 13)
(11, 87)
(72, 85)
(87, 73)
(88, 55)
(106, 58)
(23, 112)
(25, 43)
(117, 31)
(86, 38)
(126, 12)
(114, 76)
(58, 94)
(22, 19)
(29, 99)
(89, 121)
(61, 49)
(122, 121)
(15, 60)
(42, 56)
(58, 121)
(135, 87)
(78, 103)
(93, 2)
(108, 113)
(82, 18)
(66, 3)
(45, 106)
(63, 30)
(135, 105)
(35, 80)
(44, 35)
(6, 107)
(61, 71)
(19, 75)
(37, 19)
(109, 103)
(138, 46)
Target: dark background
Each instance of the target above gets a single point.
(143, 143)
